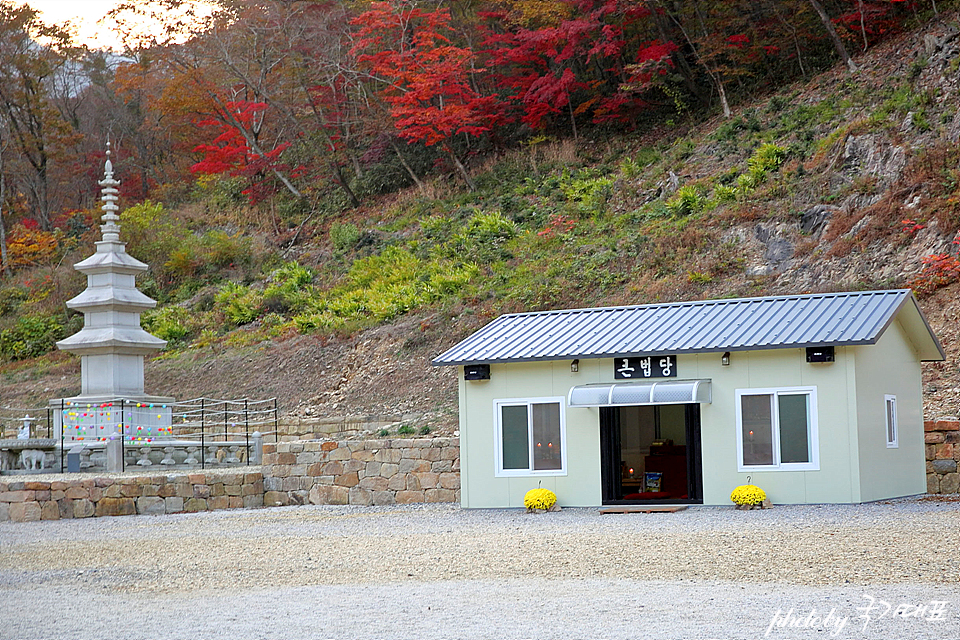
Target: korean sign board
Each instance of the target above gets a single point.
(648, 367)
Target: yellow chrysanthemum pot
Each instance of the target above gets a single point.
(749, 496)
(539, 500)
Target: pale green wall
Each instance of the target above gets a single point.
(479, 486)
(890, 367)
(834, 482)
(839, 480)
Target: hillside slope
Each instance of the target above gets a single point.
(842, 182)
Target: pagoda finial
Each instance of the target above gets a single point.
(110, 228)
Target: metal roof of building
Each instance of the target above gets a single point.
(743, 324)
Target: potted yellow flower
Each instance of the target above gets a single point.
(749, 496)
(540, 500)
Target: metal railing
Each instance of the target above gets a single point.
(207, 425)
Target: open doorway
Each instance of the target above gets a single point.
(651, 453)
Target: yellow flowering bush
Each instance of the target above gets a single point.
(539, 499)
(748, 494)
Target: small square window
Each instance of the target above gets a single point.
(530, 437)
(890, 405)
(777, 429)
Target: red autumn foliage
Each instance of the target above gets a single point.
(427, 78)
(230, 152)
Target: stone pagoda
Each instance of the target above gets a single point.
(111, 344)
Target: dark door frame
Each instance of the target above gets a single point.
(610, 486)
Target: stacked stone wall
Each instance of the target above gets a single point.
(942, 438)
(24, 501)
(378, 472)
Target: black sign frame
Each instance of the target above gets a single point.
(645, 368)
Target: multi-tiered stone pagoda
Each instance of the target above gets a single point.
(111, 344)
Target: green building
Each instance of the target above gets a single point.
(816, 398)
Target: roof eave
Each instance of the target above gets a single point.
(915, 323)
(438, 362)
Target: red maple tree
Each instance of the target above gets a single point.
(426, 79)
(230, 152)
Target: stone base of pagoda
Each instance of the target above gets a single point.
(131, 419)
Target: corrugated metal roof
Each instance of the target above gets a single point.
(692, 327)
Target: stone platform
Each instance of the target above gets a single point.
(61, 496)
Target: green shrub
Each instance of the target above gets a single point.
(723, 193)
(382, 287)
(344, 236)
(405, 430)
(185, 262)
(768, 157)
(219, 193)
(173, 323)
(424, 430)
(688, 199)
(436, 229)
(30, 337)
(240, 305)
(151, 234)
(224, 250)
(11, 298)
(484, 238)
(747, 182)
(777, 103)
(289, 288)
(630, 168)
(590, 193)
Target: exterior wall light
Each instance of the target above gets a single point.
(725, 359)
(575, 366)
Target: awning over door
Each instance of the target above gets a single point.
(640, 392)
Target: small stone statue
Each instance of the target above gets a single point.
(31, 459)
(23, 432)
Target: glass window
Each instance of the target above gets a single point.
(757, 429)
(546, 436)
(530, 437)
(794, 428)
(516, 444)
(777, 429)
(891, 411)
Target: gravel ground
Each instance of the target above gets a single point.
(440, 572)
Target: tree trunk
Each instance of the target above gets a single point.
(339, 179)
(837, 43)
(403, 161)
(723, 97)
(460, 168)
(863, 24)
(680, 61)
(573, 120)
(796, 41)
(714, 75)
(3, 226)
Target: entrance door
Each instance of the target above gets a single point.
(651, 453)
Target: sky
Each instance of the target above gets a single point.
(84, 15)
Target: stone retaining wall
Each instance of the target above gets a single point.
(295, 428)
(24, 501)
(942, 438)
(376, 472)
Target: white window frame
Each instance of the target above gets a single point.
(888, 400)
(500, 472)
(813, 431)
